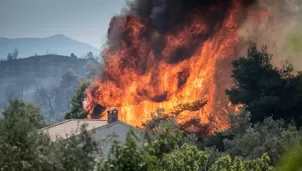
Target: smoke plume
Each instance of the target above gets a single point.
(169, 53)
(278, 30)
(162, 17)
(166, 14)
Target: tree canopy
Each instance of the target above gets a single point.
(18, 110)
(265, 90)
(77, 111)
(24, 148)
(13, 55)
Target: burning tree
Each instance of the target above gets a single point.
(164, 54)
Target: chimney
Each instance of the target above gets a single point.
(112, 115)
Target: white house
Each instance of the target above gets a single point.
(100, 129)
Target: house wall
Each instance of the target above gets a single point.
(118, 130)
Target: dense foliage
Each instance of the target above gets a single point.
(77, 100)
(264, 89)
(251, 140)
(271, 136)
(142, 155)
(23, 148)
(20, 111)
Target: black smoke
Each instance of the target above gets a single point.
(162, 17)
(166, 14)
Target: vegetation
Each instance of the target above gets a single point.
(264, 136)
(53, 99)
(271, 136)
(90, 55)
(13, 55)
(72, 55)
(22, 147)
(267, 91)
(48, 81)
(19, 110)
(251, 140)
(77, 111)
(178, 157)
(165, 148)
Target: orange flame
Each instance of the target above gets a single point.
(139, 85)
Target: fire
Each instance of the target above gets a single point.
(184, 69)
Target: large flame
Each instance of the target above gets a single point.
(179, 70)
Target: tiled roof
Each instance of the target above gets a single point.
(71, 127)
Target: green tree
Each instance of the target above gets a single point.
(128, 156)
(13, 55)
(238, 164)
(18, 140)
(164, 140)
(24, 148)
(77, 111)
(9, 57)
(264, 89)
(72, 55)
(27, 112)
(90, 55)
(77, 153)
(17, 144)
(186, 158)
(250, 141)
(158, 119)
(69, 78)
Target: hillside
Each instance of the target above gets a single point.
(57, 44)
(47, 81)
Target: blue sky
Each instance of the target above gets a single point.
(83, 20)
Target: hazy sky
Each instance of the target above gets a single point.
(83, 20)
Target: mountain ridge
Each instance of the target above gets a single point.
(55, 44)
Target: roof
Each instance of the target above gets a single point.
(71, 127)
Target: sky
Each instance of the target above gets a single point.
(83, 20)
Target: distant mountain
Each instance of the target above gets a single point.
(57, 44)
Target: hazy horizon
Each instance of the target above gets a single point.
(84, 21)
